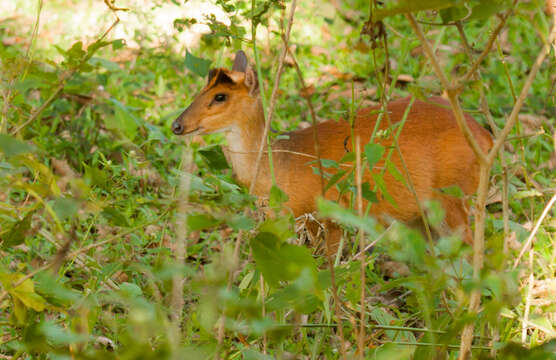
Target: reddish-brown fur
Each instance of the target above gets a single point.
(434, 151)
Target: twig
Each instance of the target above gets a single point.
(61, 84)
(110, 4)
(489, 44)
(336, 298)
(450, 90)
(44, 105)
(358, 175)
(177, 301)
(525, 321)
(478, 241)
(529, 242)
(522, 96)
(321, 173)
(307, 97)
(273, 98)
(77, 252)
(263, 299)
(486, 112)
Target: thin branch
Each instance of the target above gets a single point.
(489, 44)
(307, 97)
(528, 244)
(478, 258)
(478, 240)
(61, 83)
(44, 105)
(358, 176)
(450, 90)
(273, 98)
(521, 99)
(73, 254)
(486, 112)
(177, 300)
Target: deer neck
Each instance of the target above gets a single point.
(244, 141)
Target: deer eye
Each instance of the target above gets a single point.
(220, 97)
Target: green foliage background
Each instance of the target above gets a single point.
(91, 211)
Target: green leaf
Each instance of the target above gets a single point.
(55, 292)
(197, 65)
(240, 222)
(368, 194)
(94, 176)
(114, 216)
(379, 181)
(123, 121)
(277, 197)
(392, 351)
(347, 158)
(453, 190)
(65, 207)
(393, 170)
(281, 227)
(25, 292)
(344, 216)
(12, 146)
(16, 235)
(215, 157)
(454, 13)
(334, 179)
(302, 295)
(279, 261)
(251, 354)
(410, 6)
(327, 163)
(487, 8)
(130, 290)
(118, 44)
(374, 153)
(197, 222)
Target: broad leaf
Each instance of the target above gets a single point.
(345, 216)
(197, 65)
(12, 146)
(197, 222)
(374, 153)
(280, 261)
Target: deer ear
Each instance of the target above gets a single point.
(251, 81)
(212, 73)
(240, 62)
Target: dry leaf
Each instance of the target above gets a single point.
(406, 78)
(307, 91)
(317, 51)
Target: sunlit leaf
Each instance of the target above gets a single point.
(197, 222)
(277, 197)
(12, 146)
(374, 153)
(197, 65)
(280, 261)
(16, 235)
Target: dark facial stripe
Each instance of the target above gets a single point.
(218, 77)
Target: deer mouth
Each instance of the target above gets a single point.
(196, 131)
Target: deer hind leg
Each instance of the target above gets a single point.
(324, 235)
(333, 236)
(456, 218)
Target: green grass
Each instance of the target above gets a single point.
(90, 196)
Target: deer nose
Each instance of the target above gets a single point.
(177, 128)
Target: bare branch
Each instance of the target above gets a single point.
(273, 98)
(528, 244)
(521, 98)
(450, 90)
(488, 46)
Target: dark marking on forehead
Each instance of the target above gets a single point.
(218, 76)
